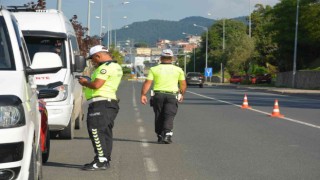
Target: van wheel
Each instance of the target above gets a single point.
(68, 132)
(79, 120)
(45, 155)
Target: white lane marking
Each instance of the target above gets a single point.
(141, 130)
(134, 96)
(139, 120)
(150, 164)
(144, 143)
(285, 118)
(151, 169)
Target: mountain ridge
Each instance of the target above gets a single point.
(152, 30)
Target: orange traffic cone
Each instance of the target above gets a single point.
(276, 110)
(245, 104)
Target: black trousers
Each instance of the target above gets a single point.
(100, 121)
(165, 107)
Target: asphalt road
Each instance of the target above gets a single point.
(213, 139)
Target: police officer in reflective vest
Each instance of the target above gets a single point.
(100, 93)
(165, 78)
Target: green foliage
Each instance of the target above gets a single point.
(126, 70)
(284, 22)
(141, 45)
(257, 70)
(116, 55)
(265, 46)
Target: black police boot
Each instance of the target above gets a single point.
(159, 138)
(96, 165)
(167, 137)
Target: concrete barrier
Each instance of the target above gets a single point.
(304, 79)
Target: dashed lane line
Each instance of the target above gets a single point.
(151, 169)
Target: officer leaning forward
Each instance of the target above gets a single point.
(165, 77)
(103, 107)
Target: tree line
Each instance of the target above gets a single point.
(270, 48)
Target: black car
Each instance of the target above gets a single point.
(195, 78)
(262, 78)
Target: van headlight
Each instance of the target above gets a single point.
(11, 116)
(63, 94)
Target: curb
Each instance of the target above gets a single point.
(288, 91)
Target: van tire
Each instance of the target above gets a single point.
(68, 132)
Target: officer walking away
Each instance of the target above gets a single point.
(165, 78)
(100, 93)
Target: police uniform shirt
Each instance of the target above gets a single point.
(166, 77)
(112, 74)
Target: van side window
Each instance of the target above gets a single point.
(74, 44)
(6, 56)
(46, 44)
(23, 53)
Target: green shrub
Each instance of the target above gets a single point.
(126, 70)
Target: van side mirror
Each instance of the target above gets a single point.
(80, 63)
(44, 62)
(47, 93)
(54, 84)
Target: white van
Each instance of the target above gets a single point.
(51, 31)
(20, 153)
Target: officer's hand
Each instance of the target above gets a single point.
(82, 80)
(180, 99)
(144, 99)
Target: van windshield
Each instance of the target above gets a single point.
(6, 62)
(46, 44)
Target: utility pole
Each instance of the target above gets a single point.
(59, 5)
(295, 48)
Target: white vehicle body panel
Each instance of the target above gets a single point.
(60, 112)
(16, 83)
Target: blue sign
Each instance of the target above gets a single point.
(208, 72)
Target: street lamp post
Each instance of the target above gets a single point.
(101, 22)
(249, 18)
(295, 48)
(59, 5)
(194, 53)
(88, 20)
(109, 31)
(206, 29)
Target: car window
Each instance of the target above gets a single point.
(46, 44)
(23, 50)
(6, 57)
(193, 74)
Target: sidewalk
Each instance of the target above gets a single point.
(279, 90)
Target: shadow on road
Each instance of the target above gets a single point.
(63, 165)
(120, 140)
(133, 140)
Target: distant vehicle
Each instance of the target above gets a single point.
(195, 78)
(259, 79)
(236, 79)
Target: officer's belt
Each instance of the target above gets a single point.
(166, 92)
(95, 99)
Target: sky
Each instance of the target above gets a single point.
(117, 15)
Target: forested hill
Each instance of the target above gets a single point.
(152, 30)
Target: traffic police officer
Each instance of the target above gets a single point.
(100, 93)
(165, 77)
